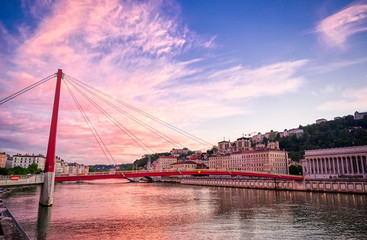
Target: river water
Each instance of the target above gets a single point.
(114, 209)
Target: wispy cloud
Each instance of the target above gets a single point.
(335, 65)
(335, 29)
(352, 99)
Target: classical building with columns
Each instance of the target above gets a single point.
(335, 163)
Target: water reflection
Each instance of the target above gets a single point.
(43, 222)
(112, 210)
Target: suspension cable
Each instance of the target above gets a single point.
(91, 127)
(152, 129)
(14, 95)
(188, 135)
(117, 123)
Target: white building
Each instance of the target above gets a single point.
(25, 160)
(335, 163)
(359, 115)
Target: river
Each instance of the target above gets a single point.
(114, 209)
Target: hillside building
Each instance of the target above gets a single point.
(321, 120)
(359, 115)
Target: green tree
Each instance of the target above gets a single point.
(92, 169)
(33, 168)
(295, 170)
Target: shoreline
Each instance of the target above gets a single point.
(9, 227)
(326, 186)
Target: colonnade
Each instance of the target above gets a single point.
(336, 166)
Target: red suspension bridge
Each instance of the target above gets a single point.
(94, 97)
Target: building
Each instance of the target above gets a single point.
(259, 160)
(59, 165)
(242, 144)
(184, 165)
(321, 120)
(178, 152)
(25, 160)
(347, 162)
(9, 162)
(273, 145)
(296, 131)
(3, 158)
(359, 116)
(224, 147)
(164, 162)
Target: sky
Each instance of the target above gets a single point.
(216, 69)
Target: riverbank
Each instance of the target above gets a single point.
(336, 186)
(9, 228)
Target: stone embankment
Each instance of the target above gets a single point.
(339, 186)
(16, 180)
(9, 228)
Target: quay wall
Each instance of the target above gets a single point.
(7, 180)
(339, 186)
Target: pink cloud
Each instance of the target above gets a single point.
(336, 28)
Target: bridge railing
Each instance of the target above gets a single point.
(8, 177)
(198, 171)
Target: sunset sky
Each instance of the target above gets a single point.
(216, 69)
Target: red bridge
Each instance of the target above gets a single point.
(96, 97)
(148, 174)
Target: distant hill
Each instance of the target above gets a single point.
(105, 167)
(343, 132)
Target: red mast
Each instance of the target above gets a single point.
(47, 190)
(51, 150)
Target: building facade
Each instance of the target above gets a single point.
(321, 120)
(224, 147)
(177, 152)
(259, 160)
(164, 162)
(359, 115)
(347, 162)
(3, 158)
(184, 165)
(25, 160)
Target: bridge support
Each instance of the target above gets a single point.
(47, 191)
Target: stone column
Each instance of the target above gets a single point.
(357, 165)
(351, 165)
(342, 160)
(347, 164)
(363, 165)
(337, 164)
(317, 165)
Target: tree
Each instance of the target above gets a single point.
(33, 168)
(295, 170)
(92, 169)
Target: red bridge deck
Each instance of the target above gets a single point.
(135, 174)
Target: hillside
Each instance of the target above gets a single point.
(343, 132)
